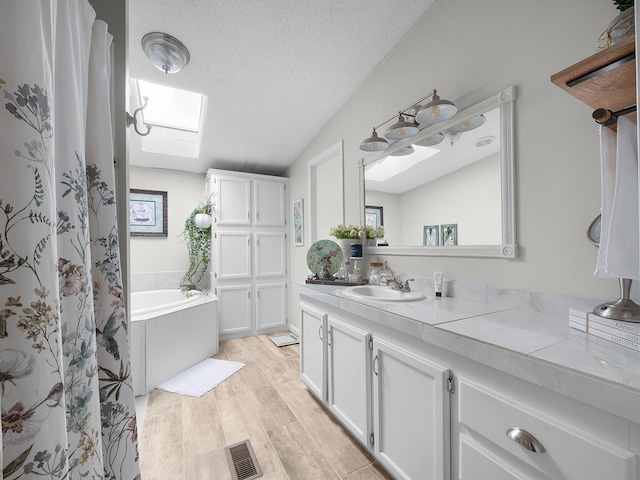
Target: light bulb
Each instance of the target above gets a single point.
(401, 132)
(435, 111)
(374, 145)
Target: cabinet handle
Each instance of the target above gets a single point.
(373, 367)
(320, 333)
(329, 336)
(524, 438)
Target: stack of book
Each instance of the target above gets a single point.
(626, 334)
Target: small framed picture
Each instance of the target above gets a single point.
(431, 235)
(298, 223)
(373, 216)
(449, 234)
(147, 213)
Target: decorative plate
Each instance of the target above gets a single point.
(324, 253)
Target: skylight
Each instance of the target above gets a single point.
(391, 166)
(170, 107)
(176, 118)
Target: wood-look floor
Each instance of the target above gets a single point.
(293, 436)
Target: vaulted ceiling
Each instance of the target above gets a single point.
(274, 71)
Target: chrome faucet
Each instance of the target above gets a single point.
(395, 285)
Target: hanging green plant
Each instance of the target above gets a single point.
(623, 5)
(198, 240)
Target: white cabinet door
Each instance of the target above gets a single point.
(233, 201)
(313, 326)
(270, 254)
(233, 255)
(410, 414)
(234, 309)
(271, 305)
(269, 203)
(348, 377)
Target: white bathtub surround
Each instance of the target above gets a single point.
(170, 333)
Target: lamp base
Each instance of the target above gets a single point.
(622, 309)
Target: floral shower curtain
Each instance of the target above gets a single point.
(66, 394)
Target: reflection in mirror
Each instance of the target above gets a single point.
(465, 180)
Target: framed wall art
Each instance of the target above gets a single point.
(298, 223)
(147, 213)
(449, 234)
(373, 216)
(431, 235)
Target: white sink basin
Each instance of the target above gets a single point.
(381, 294)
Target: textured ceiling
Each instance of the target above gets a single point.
(274, 71)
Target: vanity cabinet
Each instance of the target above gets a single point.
(249, 252)
(501, 437)
(394, 401)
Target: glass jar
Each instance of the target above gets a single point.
(374, 273)
(386, 274)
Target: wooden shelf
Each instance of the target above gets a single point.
(606, 79)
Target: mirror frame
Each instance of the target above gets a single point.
(505, 100)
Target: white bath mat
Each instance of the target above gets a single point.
(202, 377)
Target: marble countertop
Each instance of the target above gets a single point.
(540, 348)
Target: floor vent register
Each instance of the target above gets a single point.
(242, 461)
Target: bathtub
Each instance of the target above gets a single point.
(170, 333)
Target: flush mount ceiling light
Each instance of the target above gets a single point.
(401, 129)
(484, 141)
(467, 125)
(374, 143)
(167, 53)
(437, 110)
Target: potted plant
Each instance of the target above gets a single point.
(198, 240)
(621, 27)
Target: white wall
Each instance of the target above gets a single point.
(184, 191)
(468, 51)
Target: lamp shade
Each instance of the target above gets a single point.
(374, 143)
(437, 110)
(401, 129)
(167, 53)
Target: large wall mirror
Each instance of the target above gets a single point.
(454, 198)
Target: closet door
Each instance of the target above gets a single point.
(234, 310)
(270, 254)
(233, 201)
(271, 305)
(269, 203)
(233, 255)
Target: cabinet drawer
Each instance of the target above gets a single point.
(569, 452)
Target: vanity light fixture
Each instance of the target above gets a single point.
(401, 129)
(166, 52)
(437, 110)
(374, 143)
